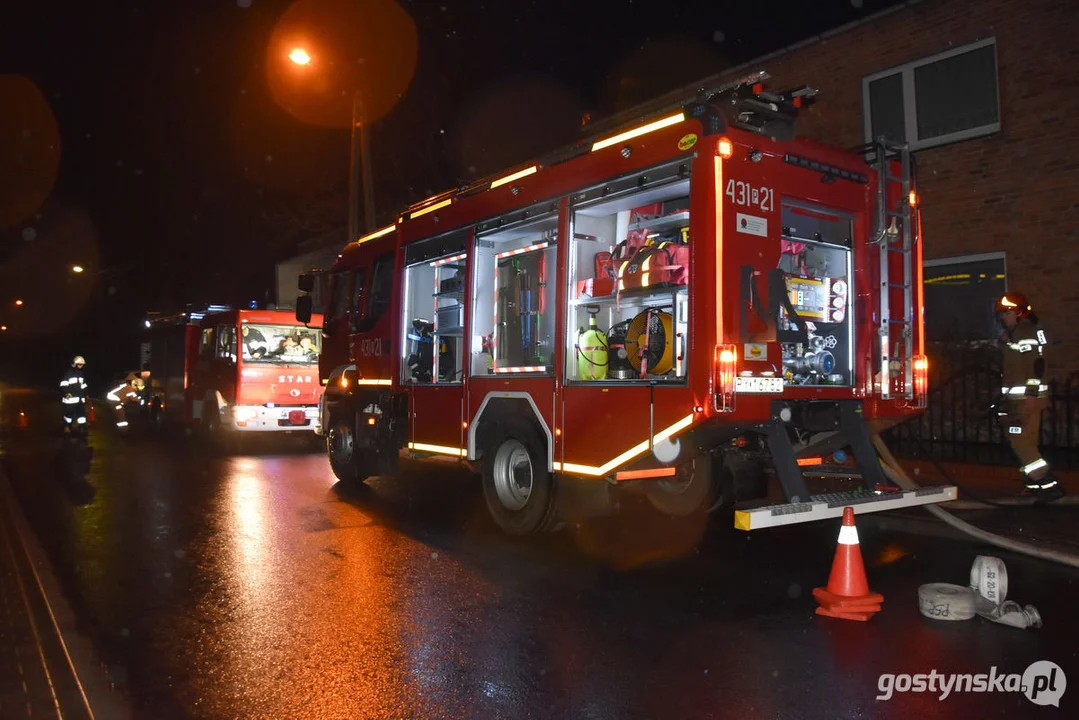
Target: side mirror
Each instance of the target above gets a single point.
(303, 307)
(306, 282)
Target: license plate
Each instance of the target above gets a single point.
(297, 417)
(758, 384)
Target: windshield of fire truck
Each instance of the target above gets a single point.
(280, 344)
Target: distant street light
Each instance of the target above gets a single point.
(3, 328)
(76, 268)
(299, 56)
(18, 303)
(359, 154)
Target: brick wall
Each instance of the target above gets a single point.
(1016, 191)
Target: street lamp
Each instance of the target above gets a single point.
(359, 155)
(299, 56)
(18, 303)
(76, 269)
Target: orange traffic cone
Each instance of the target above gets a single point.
(847, 595)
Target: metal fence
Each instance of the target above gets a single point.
(960, 423)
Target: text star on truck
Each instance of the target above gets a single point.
(667, 310)
(234, 371)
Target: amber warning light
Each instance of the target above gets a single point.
(921, 381)
(725, 148)
(724, 369)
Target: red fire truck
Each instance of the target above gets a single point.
(234, 371)
(661, 310)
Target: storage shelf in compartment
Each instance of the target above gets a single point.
(453, 294)
(662, 223)
(633, 295)
(456, 332)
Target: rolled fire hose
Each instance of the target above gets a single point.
(984, 597)
(896, 474)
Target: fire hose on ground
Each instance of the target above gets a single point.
(895, 473)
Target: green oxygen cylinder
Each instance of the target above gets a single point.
(591, 350)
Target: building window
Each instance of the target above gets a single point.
(941, 99)
(959, 297)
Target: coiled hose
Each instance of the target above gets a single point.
(896, 474)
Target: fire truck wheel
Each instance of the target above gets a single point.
(516, 483)
(685, 494)
(345, 460)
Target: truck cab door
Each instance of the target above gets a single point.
(371, 325)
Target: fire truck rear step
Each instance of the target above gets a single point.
(823, 507)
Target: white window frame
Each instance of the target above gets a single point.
(910, 109)
(961, 259)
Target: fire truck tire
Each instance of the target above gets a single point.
(347, 464)
(685, 495)
(518, 487)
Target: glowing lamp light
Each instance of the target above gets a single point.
(299, 56)
(725, 148)
(18, 303)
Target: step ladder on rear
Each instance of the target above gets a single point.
(895, 234)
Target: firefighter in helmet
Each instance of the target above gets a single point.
(73, 396)
(1026, 392)
(126, 397)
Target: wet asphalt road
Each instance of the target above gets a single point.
(255, 586)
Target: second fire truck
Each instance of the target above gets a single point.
(231, 371)
(660, 310)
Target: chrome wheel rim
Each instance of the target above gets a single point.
(513, 475)
(341, 441)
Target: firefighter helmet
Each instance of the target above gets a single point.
(79, 361)
(1014, 301)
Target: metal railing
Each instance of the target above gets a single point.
(961, 424)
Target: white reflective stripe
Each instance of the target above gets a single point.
(82, 420)
(848, 535)
(1036, 465)
(122, 423)
(112, 394)
(1015, 390)
(1028, 341)
(70, 400)
(1048, 485)
(67, 419)
(1043, 388)
(63, 383)
(1034, 381)
(1015, 430)
(1041, 337)
(1019, 347)
(119, 407)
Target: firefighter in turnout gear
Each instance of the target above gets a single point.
(74, 396)
(126, 398)
(1026, 392)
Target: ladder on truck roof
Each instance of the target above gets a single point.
(895, 235)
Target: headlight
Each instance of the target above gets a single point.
(243, 413)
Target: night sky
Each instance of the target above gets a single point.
(171, 149)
